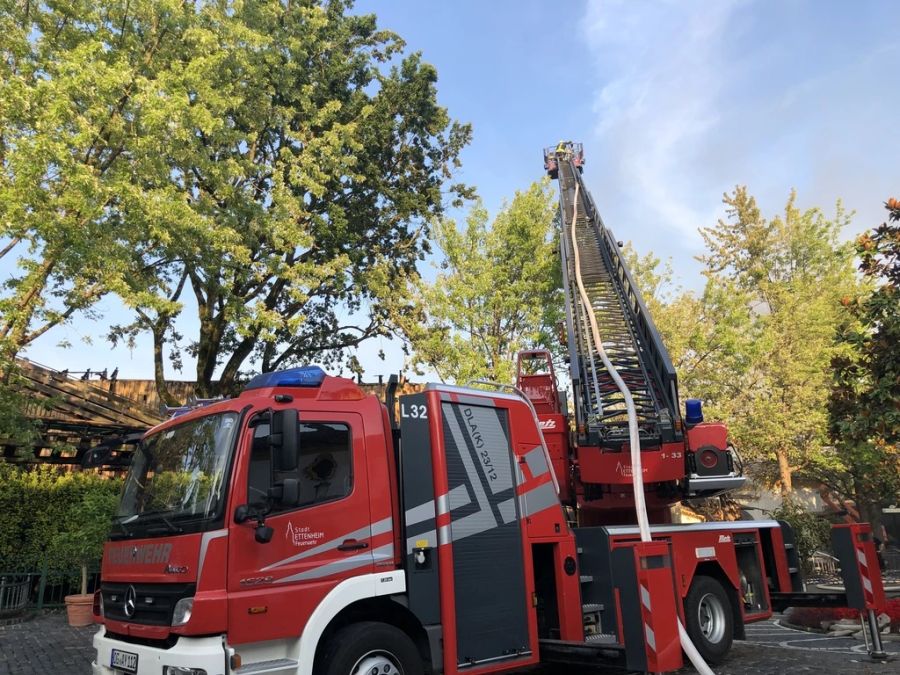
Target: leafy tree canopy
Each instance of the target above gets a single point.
(497, 290)
(865, 397)
(277, 161)
(757, 344)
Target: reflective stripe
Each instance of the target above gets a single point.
(420, 513)
(645, 598)
(366, 532)
(537, 463)
(651, 638)
(540, 498)
(480, 520)
(443, 503)
(508, 510)
(326, 570)
(458, 497)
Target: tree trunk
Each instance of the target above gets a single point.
(232, 367)
(785, 474)
(159, 375)
(207, 351)
(83, 579)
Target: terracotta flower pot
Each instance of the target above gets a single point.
(79, 608)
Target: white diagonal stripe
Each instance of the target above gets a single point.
(366, 532)
(343, 565)
(420, 513)
(651, 638)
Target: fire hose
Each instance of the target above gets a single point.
(637, 476)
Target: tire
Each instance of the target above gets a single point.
(709, 618)
(361, 648)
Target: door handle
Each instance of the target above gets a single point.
(353, 545)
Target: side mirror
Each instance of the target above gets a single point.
(284, 439)
(242, 514)
(263, 533)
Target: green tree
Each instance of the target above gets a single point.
(497, 290)
(793, 271)
(865, 398)
(710, 336)
(84, 200)
(278, 162)
(320, 153)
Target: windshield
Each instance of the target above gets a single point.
(177, 480)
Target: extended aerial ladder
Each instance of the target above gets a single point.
(681, 456)
(630, 337)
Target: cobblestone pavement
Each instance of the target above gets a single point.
(47, 645)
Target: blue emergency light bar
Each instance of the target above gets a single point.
(307, 376)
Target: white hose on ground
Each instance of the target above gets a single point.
(634, 439)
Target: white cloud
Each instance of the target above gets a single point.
(661, 80)
(693, 98)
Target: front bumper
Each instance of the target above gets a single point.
(209, 653)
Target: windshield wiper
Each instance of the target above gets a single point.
(170, 527)
(124, 534)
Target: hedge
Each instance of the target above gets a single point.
(55, 517)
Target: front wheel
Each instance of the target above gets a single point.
(709, 619)
(371, 647)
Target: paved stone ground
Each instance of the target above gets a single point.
(47, 645)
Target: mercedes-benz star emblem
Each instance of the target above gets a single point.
(130, 601)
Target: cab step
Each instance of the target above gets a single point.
(271, 666)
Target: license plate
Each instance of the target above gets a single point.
(124, 661)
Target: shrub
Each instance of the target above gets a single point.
(811, 532)
(54, 516)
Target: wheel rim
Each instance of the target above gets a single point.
(711, 616)
(376, 663)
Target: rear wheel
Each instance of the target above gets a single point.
(709, 618)
(370, 647)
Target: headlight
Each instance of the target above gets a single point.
(182, 613)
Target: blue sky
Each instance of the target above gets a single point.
(675, 102)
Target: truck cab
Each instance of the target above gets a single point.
(279, 531)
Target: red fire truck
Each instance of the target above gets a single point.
(307, 528)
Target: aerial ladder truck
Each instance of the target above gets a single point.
(305, 527)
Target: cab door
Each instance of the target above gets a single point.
(318, 540)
